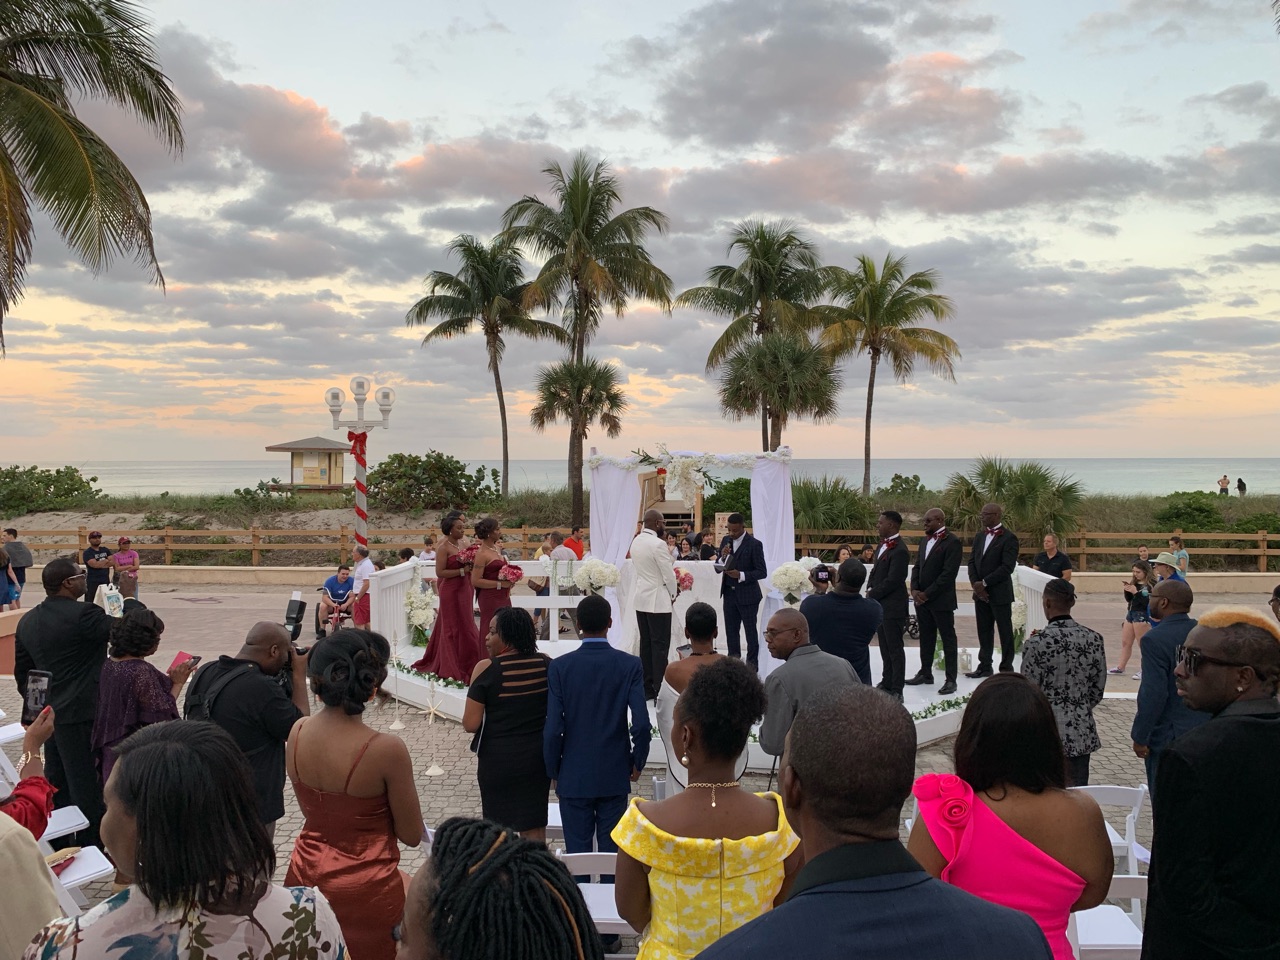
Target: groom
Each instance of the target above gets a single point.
(656, 591)
(743, 558)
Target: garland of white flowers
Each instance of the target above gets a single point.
(687, 472)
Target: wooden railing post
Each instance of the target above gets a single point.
(168, 546)
(82, 536)
(343, 543)
(1262, 556)
(1084, 551)
(255, 539)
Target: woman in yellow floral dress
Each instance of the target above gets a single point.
(710, 859)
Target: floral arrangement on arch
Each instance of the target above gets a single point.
(595, 575)
(684, 579)
(790, 579)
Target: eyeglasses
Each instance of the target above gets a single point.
(78, 576)
(1193, 658)
(770, 632)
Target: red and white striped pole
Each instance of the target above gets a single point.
(358, 434)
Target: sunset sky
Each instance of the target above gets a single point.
(1095, 182)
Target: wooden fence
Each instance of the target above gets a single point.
(1113, 548)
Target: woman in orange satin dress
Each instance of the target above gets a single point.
(492, 594)
(355, 787)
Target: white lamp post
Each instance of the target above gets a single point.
(358, 434)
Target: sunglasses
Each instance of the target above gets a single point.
(1193, 658)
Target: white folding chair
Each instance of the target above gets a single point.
(599, 897)
(11, 733)
(1132, 798)
(1106, 932)
(89, 865)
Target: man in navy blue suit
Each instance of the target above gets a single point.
(742, 557)
(588, 754)
(860, 893)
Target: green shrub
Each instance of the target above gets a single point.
(1036, 499)
(1254, 522)
(434, 481)
(31, 489)
(1193, 511)
(729, 496)
(829, 503)
(903, 488)
(538, 508)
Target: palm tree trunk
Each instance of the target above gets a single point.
(502, 416)
(575, 470)
(866, 448)
(775, 433)
(764, 427)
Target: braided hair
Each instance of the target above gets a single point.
(496, 896)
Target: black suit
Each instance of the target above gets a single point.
(993, 565)
(741, 597)
(888, 585)
(935, 575)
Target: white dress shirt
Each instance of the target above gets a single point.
(937, 534)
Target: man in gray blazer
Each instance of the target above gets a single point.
(806, 670)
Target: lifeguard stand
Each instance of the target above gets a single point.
(314, 464)
(653, 496)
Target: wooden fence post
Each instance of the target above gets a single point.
(168, 546)
(343, 543)
(1262, 557)
(82, 535)
(1084, 551)
(255, 539)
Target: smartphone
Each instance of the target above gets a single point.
(183, 657)
(37, 698)
(684, 650)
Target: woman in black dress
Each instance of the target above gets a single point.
(507, 709)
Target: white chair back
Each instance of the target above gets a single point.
(1106, 932)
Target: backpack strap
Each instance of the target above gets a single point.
(206, 698)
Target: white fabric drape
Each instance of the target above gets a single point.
(773, 523)
(615, 506)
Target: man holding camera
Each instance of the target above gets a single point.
(842, 622)
(242, 695)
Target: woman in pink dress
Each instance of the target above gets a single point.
(454, 648)
(1005, 828)
(493, 594)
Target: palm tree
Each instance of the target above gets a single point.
(787, 375)
(581, 394)
(595, 255)
(877, 312)
(489, 291)
(1036, 499)
(773, 287)
(53, 54)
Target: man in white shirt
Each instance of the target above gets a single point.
(558, 555)
(360, 615)
(656, 590)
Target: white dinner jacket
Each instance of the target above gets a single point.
(655, 573)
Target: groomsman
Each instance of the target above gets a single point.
(743, 558)
(933, 588)
(991, 563)
(888, 585)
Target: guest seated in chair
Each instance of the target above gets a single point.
(1005, 828)
(335, 595)
(485, 892)
(710, 859)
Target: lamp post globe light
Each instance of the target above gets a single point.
(358, 433)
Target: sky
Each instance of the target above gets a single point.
(1095, 183)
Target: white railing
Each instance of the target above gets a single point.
(1031, 588)
(388, 588)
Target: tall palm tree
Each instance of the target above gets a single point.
(773, 287)
(581, 394)
(488, 291)
(877, 311)
(53, 54)
(787, 375)
(1036, 499)
(596, 257)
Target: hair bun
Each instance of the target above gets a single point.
(347, 668)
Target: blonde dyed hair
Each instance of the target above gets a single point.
(1219, 618)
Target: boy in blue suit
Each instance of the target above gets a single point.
(588, 754)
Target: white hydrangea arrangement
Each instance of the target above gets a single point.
(791, 579)
(1018, 613)
(809, 563)
(594, 575)
(420, 603)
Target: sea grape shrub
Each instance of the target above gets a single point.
(31, 489)
(434, 481)
(1194, 511)
(902, 488)
(730, 496)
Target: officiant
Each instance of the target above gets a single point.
(741, 561)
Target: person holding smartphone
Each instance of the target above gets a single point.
(31, 801)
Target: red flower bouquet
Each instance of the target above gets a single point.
(467, 555)
(684, 579)
(511, 573)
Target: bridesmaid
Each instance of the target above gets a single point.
(454, 648)
(493, 594)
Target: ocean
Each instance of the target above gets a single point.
(1115, 476)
